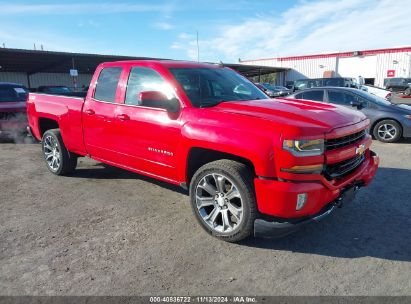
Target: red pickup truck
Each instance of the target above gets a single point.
(251, 164)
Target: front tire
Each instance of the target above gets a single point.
(58, 159)
(223, 200)
(387, 131)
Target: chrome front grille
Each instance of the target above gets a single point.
(341, 142)
(341, 169)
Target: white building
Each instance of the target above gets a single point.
(373, 65)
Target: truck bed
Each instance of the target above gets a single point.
(66, 110)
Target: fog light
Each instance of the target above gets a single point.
(301, 200)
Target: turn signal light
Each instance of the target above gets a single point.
(310, 169)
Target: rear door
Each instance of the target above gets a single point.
(98, 115)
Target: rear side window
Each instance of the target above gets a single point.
(316, 95)
(107, 84)
(143, 79)
(298, 96)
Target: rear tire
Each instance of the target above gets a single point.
(223, 200)
(407, 92)
(387, 131)
(58, 159)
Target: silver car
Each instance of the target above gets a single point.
(389, 122)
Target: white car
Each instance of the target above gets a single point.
(377, 91)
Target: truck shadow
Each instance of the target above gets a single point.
(104, 171)
(377, 224)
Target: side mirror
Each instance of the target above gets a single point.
(156, 99)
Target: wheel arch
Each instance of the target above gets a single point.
(46, 124)
(198, 157)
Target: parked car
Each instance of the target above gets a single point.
(389, 122)
(250, 164)
(54, 89)
(302, 84)
(397, 84)
(380, 92)
(275, 91)
(261, 87)
(13, 118)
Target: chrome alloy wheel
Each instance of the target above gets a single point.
(387, 131)
(52, 153)
(219, 203)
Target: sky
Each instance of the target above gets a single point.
(227, 30)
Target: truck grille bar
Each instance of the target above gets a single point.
(336, 143)
(343, 168)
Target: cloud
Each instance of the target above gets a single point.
(83, 8)
(308, 27)
(165, 26)
(88, 23)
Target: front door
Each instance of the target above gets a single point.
(147, 137)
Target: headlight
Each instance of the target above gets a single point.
(304, 147)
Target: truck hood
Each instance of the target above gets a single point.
(299, 113)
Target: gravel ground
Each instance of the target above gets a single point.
(105, 231)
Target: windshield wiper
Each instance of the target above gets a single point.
(211, 104)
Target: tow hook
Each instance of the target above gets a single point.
(347, 195)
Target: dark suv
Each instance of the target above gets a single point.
(397, 84)
(302, 84)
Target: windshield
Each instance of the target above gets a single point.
(210, 86)
(13, 93)
(373, 98)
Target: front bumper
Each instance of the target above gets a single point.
(280, 228)
(277, 199)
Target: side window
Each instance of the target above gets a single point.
(363, 101)
(143, 79)
(107, 84)
(299, 96)
(337, 97)
(349, 98)
(317, 95)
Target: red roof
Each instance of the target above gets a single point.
(343, 54)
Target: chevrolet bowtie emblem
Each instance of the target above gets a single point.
(360, 150)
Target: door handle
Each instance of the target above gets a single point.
(123, 117)
(89, 112)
